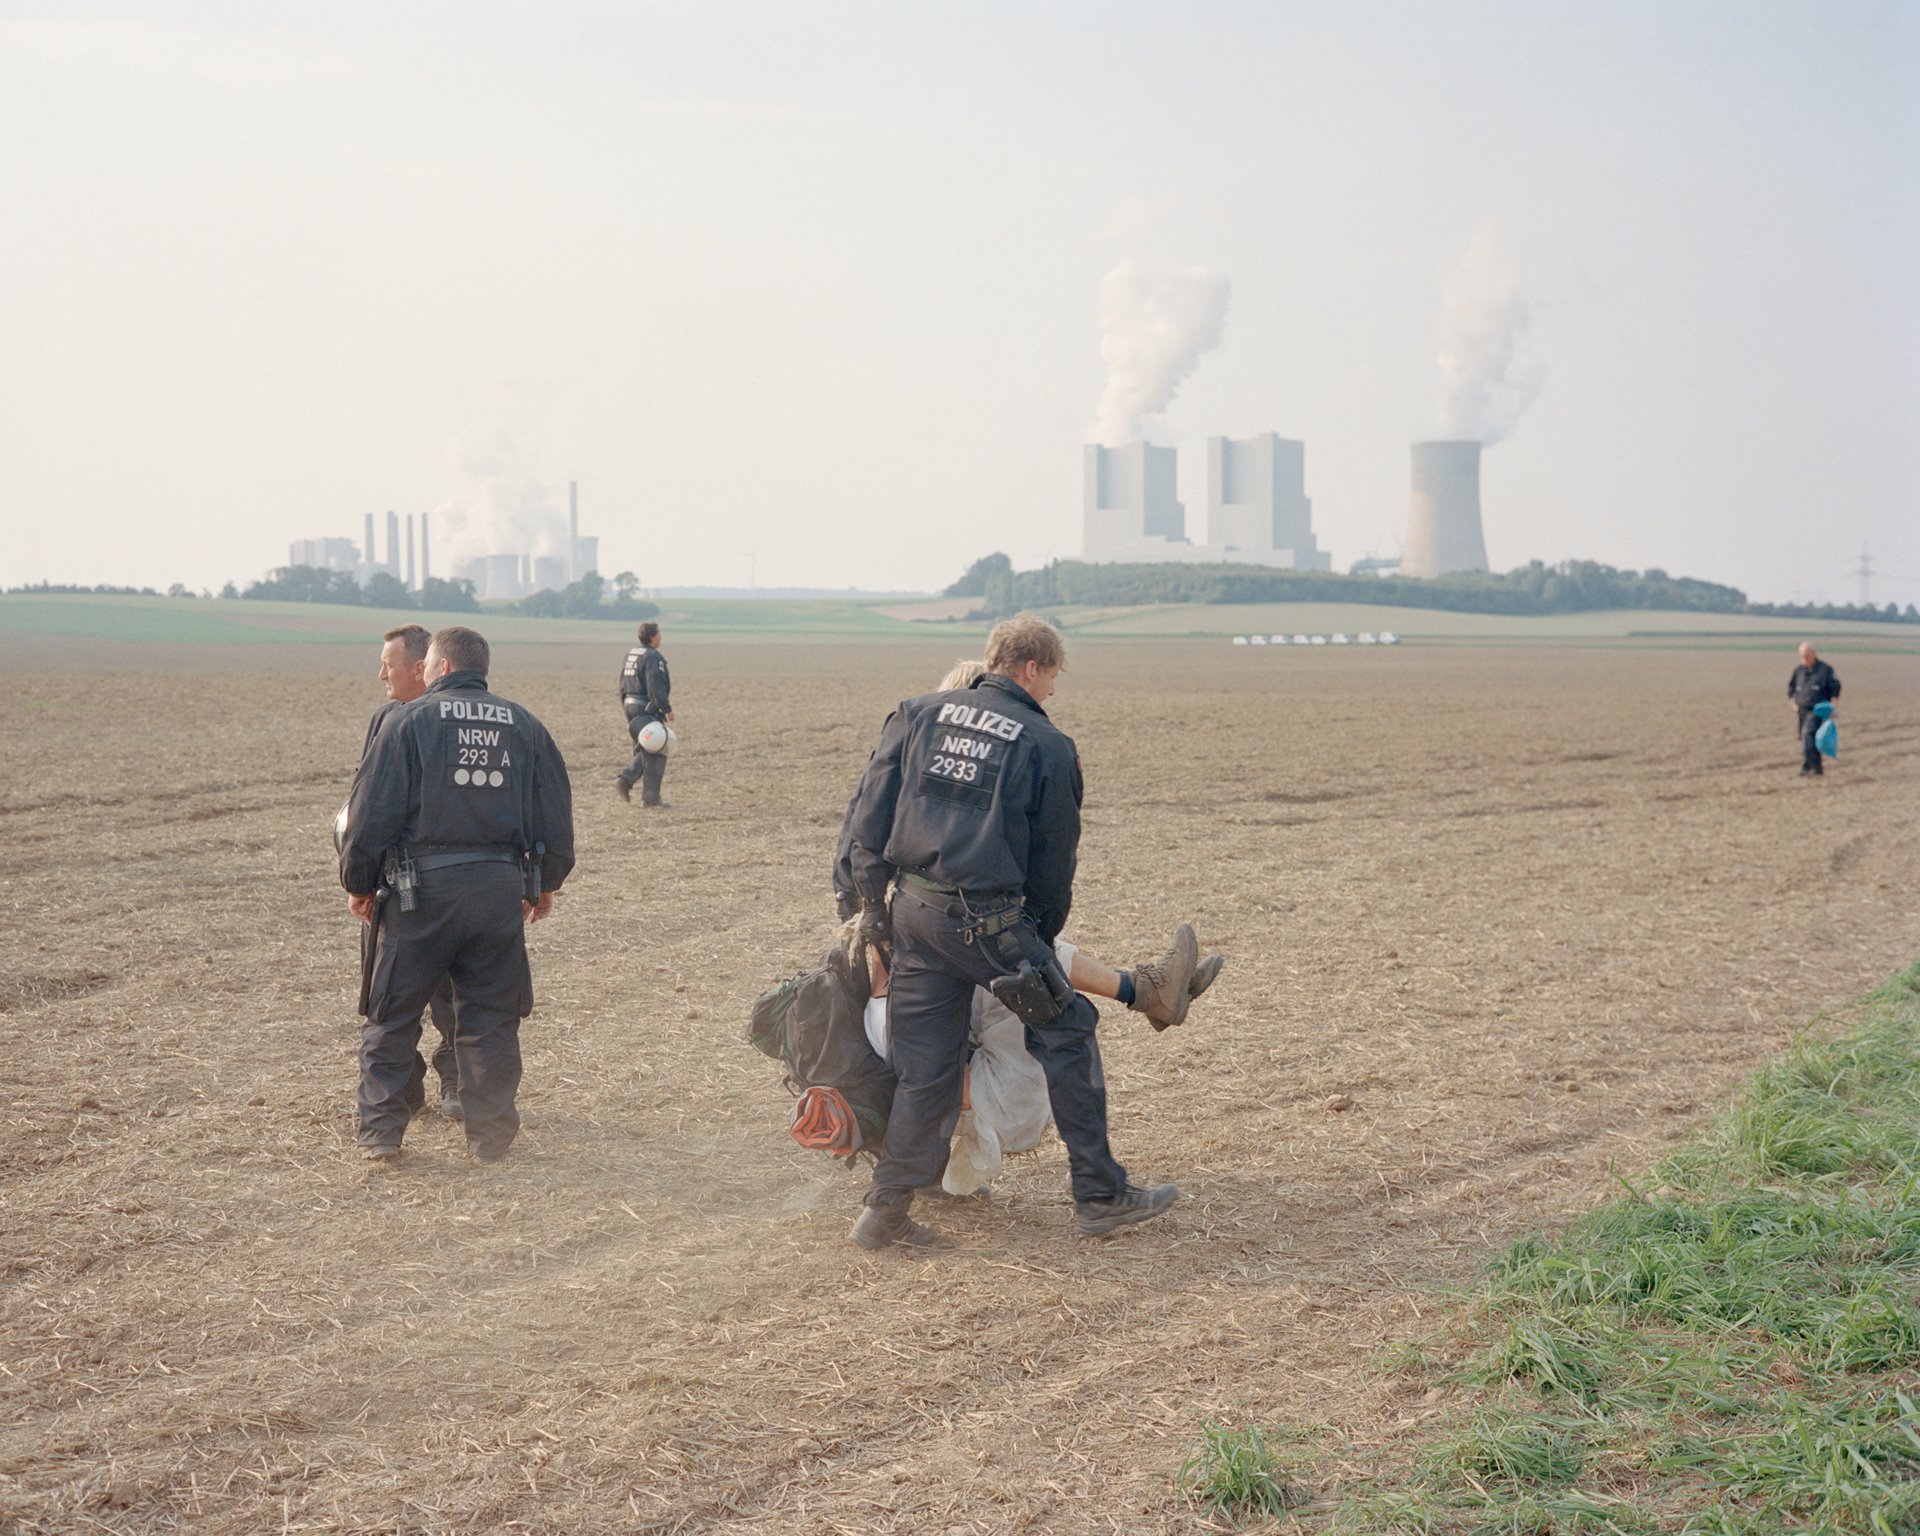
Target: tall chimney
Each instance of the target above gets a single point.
(1443, 528)
(410, 582)
(393, 544)
(426, 570)
(366, 554)
(574, 573)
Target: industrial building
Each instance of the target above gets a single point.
(1257, 504)
(324, 554)
(495, 576)
(1258, 512)
(1131, 506)
(1443, 523)
(509, 575)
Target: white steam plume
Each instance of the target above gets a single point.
(1155, 325)
(500, 508)
(1486, 384)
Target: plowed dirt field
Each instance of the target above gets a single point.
(1526, 913)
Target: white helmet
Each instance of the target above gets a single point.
(340, 831)
(655, 736)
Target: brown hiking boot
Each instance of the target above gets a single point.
(885, 1226)
(1160, 986)
(1203, 974)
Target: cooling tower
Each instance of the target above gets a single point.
(1443, 530)
(502, 577)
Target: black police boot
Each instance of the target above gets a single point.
(623, 787)
(450, 1101)
(884, 1226)
(1133, 1204)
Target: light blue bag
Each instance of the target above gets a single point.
(1827, 738)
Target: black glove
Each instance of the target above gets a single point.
(845, 904)
(876, 925)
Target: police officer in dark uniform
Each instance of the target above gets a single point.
(972, 803)
(459, 832)
(1812, 682)
(646, 696)
(403, 664)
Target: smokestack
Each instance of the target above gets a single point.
(393, 544)
(1443, 530)
(410, 582)
(366, 553)
(574, 573)
(426, 571)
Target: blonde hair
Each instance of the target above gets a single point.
(1021, 639)
(964, 675)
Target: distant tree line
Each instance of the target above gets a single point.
(590, 597)
(61, 589)
(1572, 586)
(1887, 615)
(982, 571)
(315, 584)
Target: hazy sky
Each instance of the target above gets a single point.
(822, 281)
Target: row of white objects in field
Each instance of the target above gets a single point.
(1385, 637)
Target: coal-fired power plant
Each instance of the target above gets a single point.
(558, 560)
(1443, 527)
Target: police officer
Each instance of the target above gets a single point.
(459, 832)
(646, 696)
(403, 672)
(972, 803)
(1812, 682)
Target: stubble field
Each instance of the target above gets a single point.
(1524, 913)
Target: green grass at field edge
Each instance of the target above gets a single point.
(1731, 1346)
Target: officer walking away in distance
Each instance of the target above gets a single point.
(403, 668)
(1813, 682)
(463, 816)
(972, 800)
(646, 697)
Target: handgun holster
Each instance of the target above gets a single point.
(1034, 995)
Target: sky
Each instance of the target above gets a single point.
(811, 293)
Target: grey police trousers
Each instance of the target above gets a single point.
(648, 769)
(468, 929)
(929, 1003)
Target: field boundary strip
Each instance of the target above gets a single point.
(1731, 1346)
